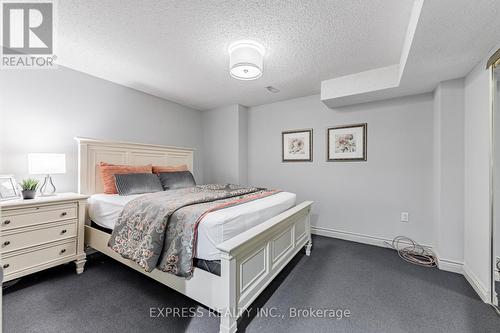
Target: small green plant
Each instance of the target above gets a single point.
(29, 184)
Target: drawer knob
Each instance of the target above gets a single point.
(6, 266)
(62, 251)
(64, 214)
(63, 231)
(6, 243)
(6, 222)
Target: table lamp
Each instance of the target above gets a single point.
(47, 164)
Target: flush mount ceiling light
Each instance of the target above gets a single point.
(246, 60)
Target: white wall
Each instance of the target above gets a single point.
(449, 172)
(42, 110)
(437, 167)
(353, 199)
(225, 145)
(477, 180)
(496, 170)
(243, 144)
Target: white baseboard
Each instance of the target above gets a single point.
(450, 265)
(354, 237)
(476, 284)
(443, 264)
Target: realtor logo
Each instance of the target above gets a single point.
(27, 34)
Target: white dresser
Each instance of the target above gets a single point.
(41, 233)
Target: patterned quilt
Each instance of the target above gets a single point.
(159, 230)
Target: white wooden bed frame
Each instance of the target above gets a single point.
(249, 261)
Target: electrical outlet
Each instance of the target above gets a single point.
(404, 217)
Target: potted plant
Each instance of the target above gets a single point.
(29, 187)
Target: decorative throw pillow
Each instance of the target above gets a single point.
(137, 183)
(108, 172)
(175, 180)
(168, 168)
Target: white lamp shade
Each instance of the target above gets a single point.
(46, 164)
(246, 60)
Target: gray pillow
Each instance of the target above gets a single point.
(137, 183)
(175, 180)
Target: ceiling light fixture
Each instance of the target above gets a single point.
(246, 59)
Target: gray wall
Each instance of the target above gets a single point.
(449, 116)
(225, 145)
(243, 144)
(364, 198)
(477, 217)
(42, 110)
(496, 170)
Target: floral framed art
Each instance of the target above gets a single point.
(297, 145)
(347, 143)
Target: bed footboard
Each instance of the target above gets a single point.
(251, 260)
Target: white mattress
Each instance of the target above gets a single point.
(215, 228)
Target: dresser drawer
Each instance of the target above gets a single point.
(36, 215)
(22, 238)
(26, 259)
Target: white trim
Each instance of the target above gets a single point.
(126, 144)
(444, 264)
(476, 284)
(354, 237)
(449, 265)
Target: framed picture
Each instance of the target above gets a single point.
(297, 145)
(8, 187)
(346, 143)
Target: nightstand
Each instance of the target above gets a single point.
(40, 233)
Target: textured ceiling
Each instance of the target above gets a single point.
(178, 49)
(451, 37)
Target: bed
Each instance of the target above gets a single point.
(252, 242)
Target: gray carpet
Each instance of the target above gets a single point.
(382, 293)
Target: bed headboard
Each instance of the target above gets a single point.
(91, 152)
